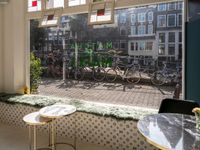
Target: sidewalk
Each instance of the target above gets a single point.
(114, 93)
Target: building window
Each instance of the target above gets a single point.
(179, 19)
(123, 18)
(141, 17)
(161, 49)
(54, 4)
(171, 37)
(133, 19)
(122, 31)
(150, 16)
(171, 6)
(133, 30)
(122, 44)
(180, 37)
(141, 45)
(132, 46)
(150, 29)
(171, 20)
(161, 21)
(161, 37)
(162, 7)
(149, 46)
(141, 30)
(76, 2)
(171, 49)
(180, 5)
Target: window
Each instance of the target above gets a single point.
(141, 30)
(54, 4)
(180, 6)
(123, 18)
(171, 6)
(122, 44)
(133, 30)
(141, 17)
(171, 20)
(161, 49)
(34, 5)
(132, 46)
(171, 49)
(101, 13)
(161, 21)
(180, 37)
(150, 29)
(162, 7)
(133, 19)
(149, 46)
(150, 16)
(171, 37)
(141, 45)
(76, 2)
(122, 31)
(179, 19)
(50, 18)
(161, 37)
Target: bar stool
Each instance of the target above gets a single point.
(58, 111)
(33, 120)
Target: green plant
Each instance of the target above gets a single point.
(35, 72)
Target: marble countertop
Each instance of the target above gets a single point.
(170, 131)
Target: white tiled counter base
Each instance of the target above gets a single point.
(105, 131)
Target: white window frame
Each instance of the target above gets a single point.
(174, 20)
(122, 15)
(158, 24)
(135, 20)
(179, 14)
(150, 20)
(168, 6)
(141, 15)
(149, 28)
(80, 2)
(55, 7)
(32, 7)
(180, 4)
(140, 27)
(133, 33)
(159, 7)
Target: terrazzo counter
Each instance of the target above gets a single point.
(170, 131)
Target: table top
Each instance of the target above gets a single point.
(170, 131)
(35, 119)
(57, 111)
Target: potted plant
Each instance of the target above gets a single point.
(196, 111)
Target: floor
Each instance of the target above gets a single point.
(143, 95)
(12, 138)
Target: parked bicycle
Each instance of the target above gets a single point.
(130, 73)
(166, 75)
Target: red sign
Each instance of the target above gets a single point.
(34, 3)
(100, 12)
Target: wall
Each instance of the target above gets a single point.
(13, 46)
(1, 48)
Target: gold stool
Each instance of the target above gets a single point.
(33, 120)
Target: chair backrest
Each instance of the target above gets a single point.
(177, 106)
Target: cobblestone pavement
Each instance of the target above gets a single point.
(114, 93)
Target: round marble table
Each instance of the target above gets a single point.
(54, 112)
(168, 131)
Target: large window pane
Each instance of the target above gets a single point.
(171, 37)
(161, 21)
(171, 18)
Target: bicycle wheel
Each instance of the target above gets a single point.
(79, 74)
(158, 78)
(98, 74)
(111, 75)
(133, 75)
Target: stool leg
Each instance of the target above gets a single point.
(49, 134)
(35, 138)
(52, 136)
(30, 137)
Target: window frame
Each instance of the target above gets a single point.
(168, 15)
(138, 16)
(151, 12)
(178, 19)
(158, 21)
(159, 7)
(168, 6)
(140, 27)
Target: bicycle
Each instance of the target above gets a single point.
(130, 73)
(165, 75)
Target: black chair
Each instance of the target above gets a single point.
(177, 106)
